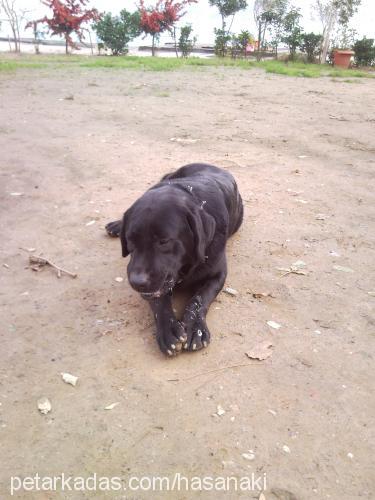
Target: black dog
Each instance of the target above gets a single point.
(176, 235)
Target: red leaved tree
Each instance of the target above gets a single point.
(161, 17)
(67, 18)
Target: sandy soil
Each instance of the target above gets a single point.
(302, 151)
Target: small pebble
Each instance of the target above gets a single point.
(230, 291)
(220, 411)
(119, 279)
(44, 405)
(250, 455)
(273, 324)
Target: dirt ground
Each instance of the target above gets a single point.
(80, 145)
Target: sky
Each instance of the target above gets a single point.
(205, 18)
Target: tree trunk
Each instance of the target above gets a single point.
(175, 41)
(153, 46)
(66, 45)
(259, 38)
(36, 41)
(327, 33)
(18, 34)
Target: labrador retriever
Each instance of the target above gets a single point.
(176, 235)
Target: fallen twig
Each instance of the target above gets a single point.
(291, 270)
(210, 371)
(41, 261)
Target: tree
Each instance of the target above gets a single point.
(292, 31)
(117, 31)
(267, 14)
(228, 8)
(222, 38)
(238, 43)
(364, 51)
(68, 16)
(331, 12)
(14, 18)
(311, 45)
(162, 17)
(185, 42)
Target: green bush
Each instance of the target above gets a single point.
(117, 31)
(311, 45)
(222, 38)
(364, 52)
(185, 43)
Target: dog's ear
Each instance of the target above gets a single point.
(125, 222)
(203, 226)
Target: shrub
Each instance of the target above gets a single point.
(222, 38)
(364, 52)
(117, 31)
(185, 43)
(311, 44)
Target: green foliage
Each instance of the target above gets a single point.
(344, 38)
(238, 43)
(228, 7)
(364, 52)
(244, 38)
(346, 9)
(269, 16)
(311, 45)
(117, 31)
(222, 38)
(185, 42)
(292, 31)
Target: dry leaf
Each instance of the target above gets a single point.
(260, 295)
(260, 351)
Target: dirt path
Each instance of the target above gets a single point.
(303, 153)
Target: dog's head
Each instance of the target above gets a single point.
(166, 235)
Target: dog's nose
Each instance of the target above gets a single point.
(140, 281)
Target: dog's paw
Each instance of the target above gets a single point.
(198, 335)
(113, 228)
(171, 336)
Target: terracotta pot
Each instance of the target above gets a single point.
(341, 58)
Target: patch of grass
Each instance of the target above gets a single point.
(352, 81)
(14, 65)
(310, 70)
(295, 69)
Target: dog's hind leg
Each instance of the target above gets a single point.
(113, 228)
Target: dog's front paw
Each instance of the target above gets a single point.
(171, 336)
(113, 228)
(198, 335)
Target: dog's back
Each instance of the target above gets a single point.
(203, 179)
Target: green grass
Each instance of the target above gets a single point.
(301, 69)
(13, 65)
(295, 69)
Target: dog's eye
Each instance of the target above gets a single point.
(164, 241)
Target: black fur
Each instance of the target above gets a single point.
(176, 235)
